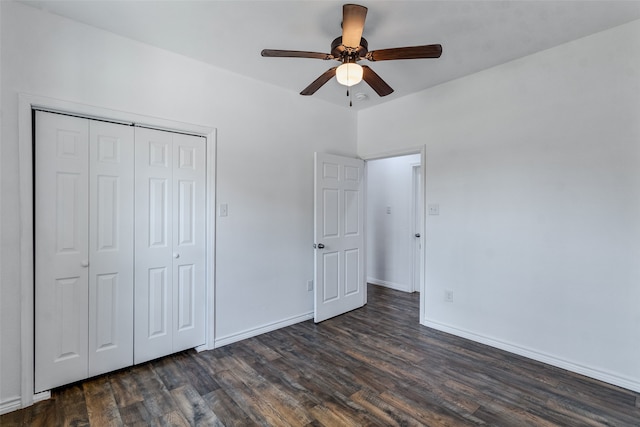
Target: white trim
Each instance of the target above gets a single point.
(43, 395)
(395, 153)
(10, 405)
(25, 156)
(250, 333)
(1, 239)
(365, 235)
(99, 113)
(25, 104)
(414, 219)
(423, 258)
(212, 151)
(15, 403)
(390, 285)
(597, 374)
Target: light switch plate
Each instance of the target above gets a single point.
(434, 209)
(448, 295)
(224, 209)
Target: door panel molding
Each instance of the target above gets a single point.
(62, 222)
(111, 247)
(172, 212)
(339, 235)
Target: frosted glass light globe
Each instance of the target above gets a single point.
(349, 74)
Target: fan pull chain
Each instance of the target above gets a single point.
(348, 91)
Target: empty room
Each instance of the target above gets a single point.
(197, 227)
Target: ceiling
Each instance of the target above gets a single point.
(475, 35)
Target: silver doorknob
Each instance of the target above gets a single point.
(84, 263)
(176, 255)
(417, 234)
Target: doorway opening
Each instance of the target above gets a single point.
(395, 222)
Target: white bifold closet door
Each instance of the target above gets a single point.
(83, 248)
(117, 281)
(170, 243)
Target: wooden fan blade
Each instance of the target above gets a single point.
(375, 81)
(413, 52)
(353, 17)
(275, 53)
(319, 82)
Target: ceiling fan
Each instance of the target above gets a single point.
(351, 48)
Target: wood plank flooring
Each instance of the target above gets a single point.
(372, 366)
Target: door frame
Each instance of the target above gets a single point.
(26, 104)
(422, 150)
(416, 218)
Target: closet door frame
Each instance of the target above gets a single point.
(26, 106)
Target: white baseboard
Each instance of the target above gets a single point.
(249, 333)
(44, 395)
(597, 374)
(10, 405)
(15, 403)
(391, 285)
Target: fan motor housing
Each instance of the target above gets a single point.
(347, 54)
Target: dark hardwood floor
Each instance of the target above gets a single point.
(372, 366)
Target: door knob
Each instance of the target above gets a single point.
(176, 255)
(417, 234)
(319, 246)
(84, 263)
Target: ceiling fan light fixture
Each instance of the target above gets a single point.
(350, 48)
(349, 74)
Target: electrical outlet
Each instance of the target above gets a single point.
(448, 295)
(434, 209)
(309, 285)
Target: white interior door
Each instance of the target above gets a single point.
(189, 175)
(110, 247)
(340, 283)
(84, 248)
(153, 244)
(86, 226)
(61, 249)
(169, 243)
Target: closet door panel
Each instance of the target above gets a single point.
(120, 246)
(61, 250)
(111, 247)
(153, 244)
(189, 173)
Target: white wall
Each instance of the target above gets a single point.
(390, 235)
(536, 167)
(265, 138)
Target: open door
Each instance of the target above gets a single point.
(340, 284)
